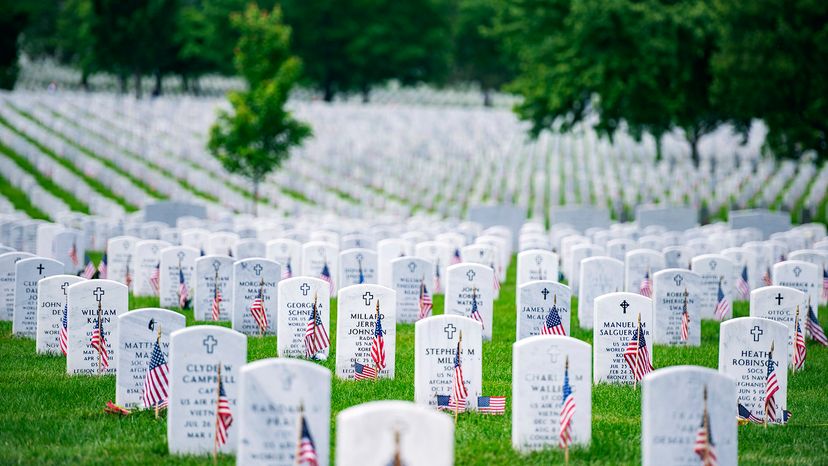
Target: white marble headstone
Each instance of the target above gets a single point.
(209, 271)
(464, 282)
(599, 275)
(119, 252)
(357, 267)
(535, 302)
(145, 258)
(375, 433)
(295, 305)
(27, 273)
(616, 318)
(137, 334)
(288, 253)
(92, 302)
(803, 276)
(319, 257)
(536, 264)
(669, 288)
(435, 344)
(355, 327)
(177, 261)
(52, 304)
(779, 303)
(714, 268)
(407, 276)
(539, 365)
(195, 356)
(275, 395)
(250, 277)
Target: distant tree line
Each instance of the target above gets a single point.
(346, 46)
(647, 66)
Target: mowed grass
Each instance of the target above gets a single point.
(50, 418)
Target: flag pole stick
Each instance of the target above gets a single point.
(566, 444)
(158, 341)
(100, 340)
(215, 433)
(459, 346)
(637, 353)
(376, 364)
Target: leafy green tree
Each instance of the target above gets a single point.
(479, 55)
(77, 44)
(773, 64)
(255, 137)
(12, 23)
(639, 65)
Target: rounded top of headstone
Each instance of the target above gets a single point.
(298, 364)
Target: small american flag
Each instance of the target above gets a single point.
(722, 303)
(326, 275)
(646, 286)
(455, 258)
(637, 355)
(363, 372)
(378, 343)
(73, 254)
(771, 387)
(127, 276)
(744, 416)
(224, 417)
(459, 390)
(63, 337)
(90, 269)
(567, 410)
(824, 284)
(316, 337)
(156, 382)
(155, 278)
(307, 449)
(102, 267)
(446, 402)
(183, 292)
(425, 301)
(216, 305)
(813, 327)
(685, 319)
(98, 341)
(766, 278)
(287, 272)
(437, 285)
(475, 311)
(800, 350)
(743, 285)
(257, 309)
(496, 282)
(491, 404)
(553, 325)
(361, 278)
(704, 446)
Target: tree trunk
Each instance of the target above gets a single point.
(487, 97)
(136, 76)
(84, 80)
(659, 147)
(122, 83)
(366, 94)
(255, 198)
(327, 92)
(159, 84)
(196, 86)
(693, 135)
(185, 83)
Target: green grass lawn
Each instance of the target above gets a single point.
(48, 417)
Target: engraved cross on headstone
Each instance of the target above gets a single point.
(180, 256)
(797, 270)
(63, 287)
(450, 329)
(678, 279)
(99, 292)
(304, 288)
(258, 269)
(756, 332)
(545, 293)
(412, 266)
(216, 266)
(625, 305)
(367, 297)
(538, 259)
(553, 353)
(40, 269)
(470, 274)
(210, 344)
(778, 299)
(712, 264)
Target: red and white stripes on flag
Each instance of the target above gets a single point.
(378, 343)
(800, 350)
(224, 417)
(771, 387)
(703, 447)
(424, 302)
(98, 342)
(156, 382)
(459, 392)
(567, 411)
(216, 305)
(646, 286)
(637, 355)
(73, 254)
(155, 279)
(316, 337)
(89, 270)
(307, 450)
(813, 327)
(685, 325)
(257, 309)
(722, 304)
(63, 336)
